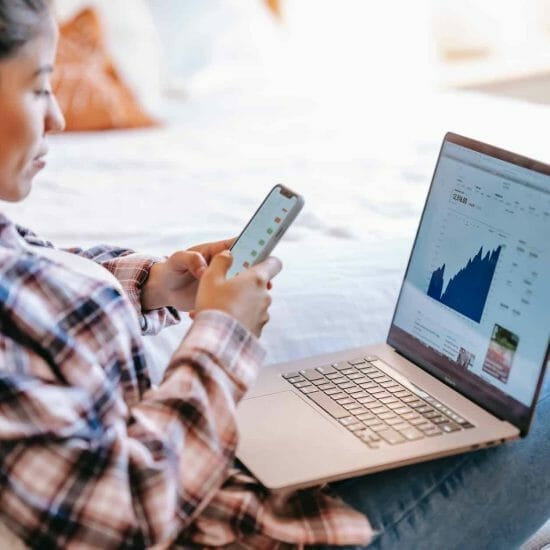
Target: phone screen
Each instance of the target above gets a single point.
(262, 230)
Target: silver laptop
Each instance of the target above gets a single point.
(466, 351)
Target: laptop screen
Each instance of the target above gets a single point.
(474, 307)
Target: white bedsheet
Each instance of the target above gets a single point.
(363, 165)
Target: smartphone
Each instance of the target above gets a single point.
(266, 227)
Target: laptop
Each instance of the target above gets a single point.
(466, 351)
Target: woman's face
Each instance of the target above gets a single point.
(28, 112)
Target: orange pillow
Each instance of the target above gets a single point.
(275, 7)
(89, 89)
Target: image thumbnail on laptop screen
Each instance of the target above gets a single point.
(474, 308)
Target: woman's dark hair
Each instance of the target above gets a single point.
(19, 21)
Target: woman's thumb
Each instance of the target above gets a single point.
(220, 264)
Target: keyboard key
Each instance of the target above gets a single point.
(304, 384)
(374, 422)
(288, 375)
(395, 389)
(370, 386)
(401, 410)
(339, 380)
(346, 401)
(379, 410)
(365, 416)
(351, 389)
(394, 420)
(387, 400)
(296, 379)
(366, 400)
(357, 426)
(311, 374)
(427, 427)
(356, 376)
(370, 370)
(340, 395)
(449, 427)
(347, 384)
(432, 431)
(309, 390)
(416, 421)
(349, 406)
(328, 386)
(378, 427)
(320, 381)
(402, 394)
(368, 436)
(343, 365)
(333, 375)
(348, 420)
(327, 370)
(358, 393)
(431, 414)
(327, 404)
(356, 362)
(411, 433)
(410, 416)
(424, 409)
(371, 358)
(391, 436)
(331, 391)
(410, 399)
(381, 394)
(386, 415)
(400, 425)
(349, 371)
(359, 410)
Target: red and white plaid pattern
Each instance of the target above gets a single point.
(91, 455)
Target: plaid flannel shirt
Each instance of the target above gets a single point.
(93, 455)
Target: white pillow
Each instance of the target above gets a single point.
(132, 41)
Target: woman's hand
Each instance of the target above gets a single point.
(245, 296)
(174, 282)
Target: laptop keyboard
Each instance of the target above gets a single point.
(374, 406)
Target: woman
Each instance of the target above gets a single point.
(91, 455)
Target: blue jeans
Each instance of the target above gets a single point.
(491, 499)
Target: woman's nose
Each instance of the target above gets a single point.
(55, 121)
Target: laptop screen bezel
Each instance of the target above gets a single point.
(519, 415)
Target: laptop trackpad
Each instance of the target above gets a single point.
(284, 440)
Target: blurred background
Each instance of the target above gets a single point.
(327, 47)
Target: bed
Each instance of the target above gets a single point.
(363, 164)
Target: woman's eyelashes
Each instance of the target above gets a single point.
(43, 93)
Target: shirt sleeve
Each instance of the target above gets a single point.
(130, 268)
(89, 455)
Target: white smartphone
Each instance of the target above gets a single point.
(266, 227)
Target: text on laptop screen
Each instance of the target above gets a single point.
(475, 302)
